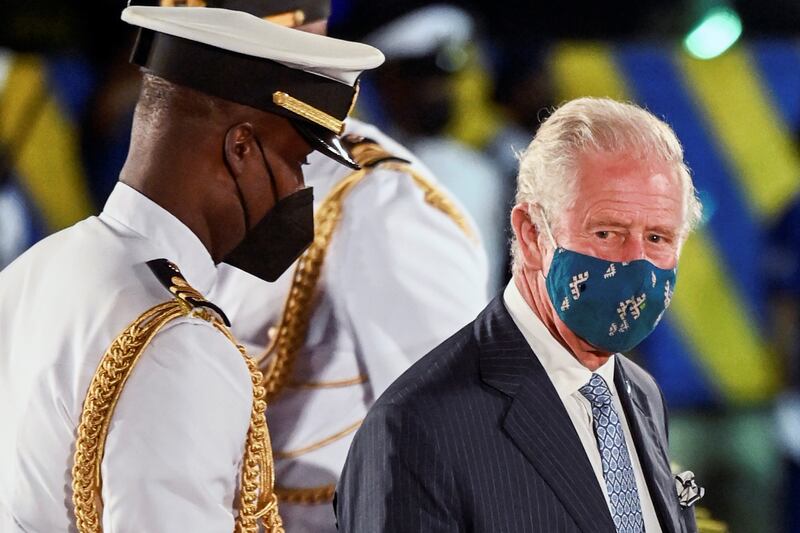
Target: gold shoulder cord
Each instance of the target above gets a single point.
(293, 326)
(256, 497)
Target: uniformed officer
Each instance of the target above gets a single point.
(397, 266)
(125, 403)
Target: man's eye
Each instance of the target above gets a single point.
(602, 234)
(655, 238)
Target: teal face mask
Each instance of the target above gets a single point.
(612, 305)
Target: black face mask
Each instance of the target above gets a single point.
(275, 242)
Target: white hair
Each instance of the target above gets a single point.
(548, 168)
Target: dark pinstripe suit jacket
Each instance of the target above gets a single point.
(474, 438)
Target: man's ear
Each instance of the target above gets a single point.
(528, 237)
(238, 148)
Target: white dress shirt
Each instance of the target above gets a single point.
(177, 436)
(568, 376)
(399, 277)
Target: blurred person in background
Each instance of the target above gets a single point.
(396, 267)
(530, 419)
(158, 424)
(424, 50)
(524, 94)
(524, 91)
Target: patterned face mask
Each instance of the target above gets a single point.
(612, 305)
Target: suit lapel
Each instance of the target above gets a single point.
(650, 449)
(536, 420)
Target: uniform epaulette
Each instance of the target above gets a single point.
(171, 278)
(257, 499)
(368, 153)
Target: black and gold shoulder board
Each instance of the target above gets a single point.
(171, 278)
(368, 153)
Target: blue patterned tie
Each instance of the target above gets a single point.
(617, 469)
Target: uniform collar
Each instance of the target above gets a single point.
(172, 238)
(566, 373)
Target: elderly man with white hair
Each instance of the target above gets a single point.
(530, 419)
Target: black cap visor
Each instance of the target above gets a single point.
(326, 142)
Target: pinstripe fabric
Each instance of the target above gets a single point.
(474, 438)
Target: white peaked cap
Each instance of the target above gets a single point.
(423, 32)
(237, 31)
(309, 79)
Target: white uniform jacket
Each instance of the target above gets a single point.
(176, 438)
(399, 277)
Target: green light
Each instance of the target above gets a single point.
(719, 29)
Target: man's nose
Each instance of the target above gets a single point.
(633, 249)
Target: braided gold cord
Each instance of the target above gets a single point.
(330, 439)
(292, 329)
(435, 197)
(291, 332)
(182, 289)
(104, 392)
(256, 499)
(306, 496)
(370, 154)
